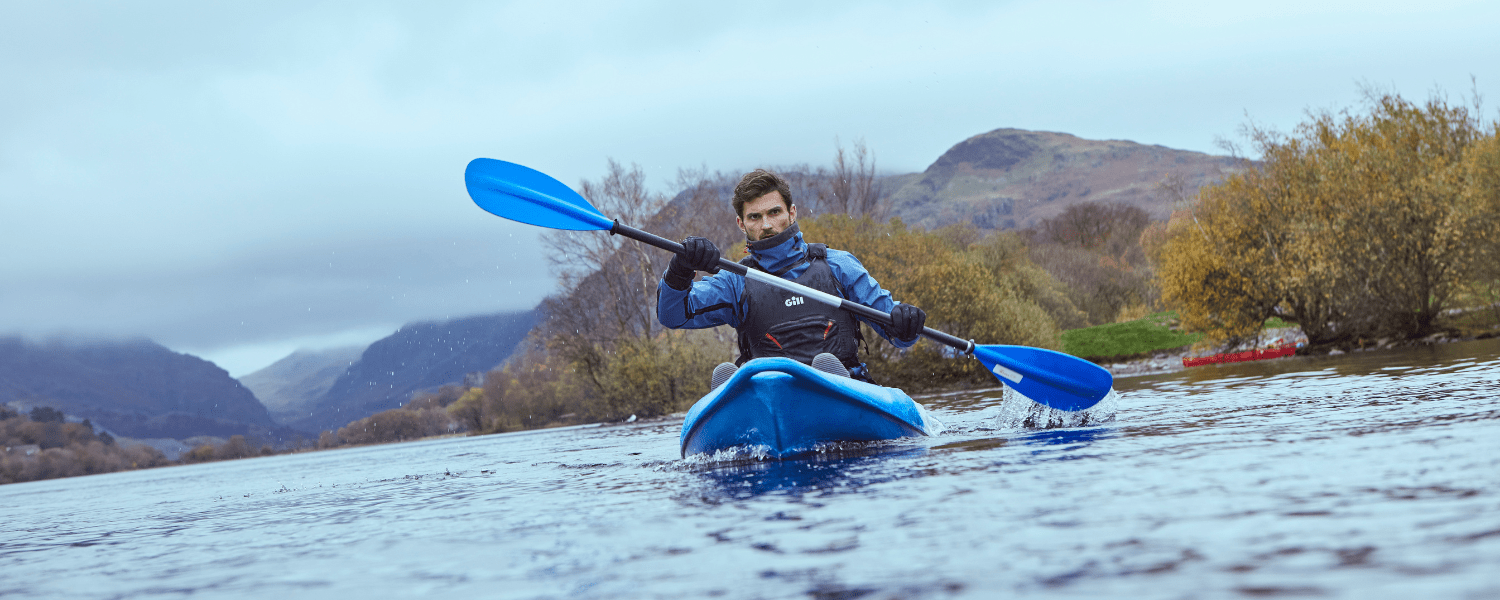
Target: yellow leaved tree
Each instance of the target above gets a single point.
(1356, 226)
(952, 282)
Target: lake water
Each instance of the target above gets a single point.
(1373, 475)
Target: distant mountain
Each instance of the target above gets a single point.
(417, 357)
(1013, 178)
(137, 388)
(291, 386)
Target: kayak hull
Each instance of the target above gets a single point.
(789, 408)
(1245, 356)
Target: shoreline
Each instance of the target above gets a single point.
(1171, 362)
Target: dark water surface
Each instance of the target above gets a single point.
(1358, 476)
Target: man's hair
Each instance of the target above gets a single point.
(758, 183)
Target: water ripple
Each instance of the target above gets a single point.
(1367, 475)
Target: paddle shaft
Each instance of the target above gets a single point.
(529, 196)
(822, 297)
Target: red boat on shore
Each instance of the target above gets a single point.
(1245, 356)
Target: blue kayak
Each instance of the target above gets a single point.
(789, 408)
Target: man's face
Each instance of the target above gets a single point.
(766, 216)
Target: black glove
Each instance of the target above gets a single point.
(907, 322)
(698, 254)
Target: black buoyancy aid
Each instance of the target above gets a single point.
(782, 323)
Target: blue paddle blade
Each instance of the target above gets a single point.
(1060, 381)
(522, 194)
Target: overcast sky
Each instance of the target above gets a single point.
(240, 181)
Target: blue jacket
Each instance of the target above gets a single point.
(717, 300)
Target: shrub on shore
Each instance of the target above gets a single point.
(1354, 226)
(32, 450)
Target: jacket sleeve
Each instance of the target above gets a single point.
(707, 303)
(860, 287)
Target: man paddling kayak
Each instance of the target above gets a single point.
(525, 195)
(771, 321)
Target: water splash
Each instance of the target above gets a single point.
(738, 456)
(727, 456)
(1019, 412)
(930, 421)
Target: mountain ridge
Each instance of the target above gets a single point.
(136, 388)
(290, 386)
(1013, 178)
(417, 357)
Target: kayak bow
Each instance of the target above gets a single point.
(789, 408)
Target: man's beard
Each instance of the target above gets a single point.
(766, 235)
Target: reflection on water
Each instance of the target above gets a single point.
(1368, 475)
(837, 471)
(1391, 362)
(1073, 439)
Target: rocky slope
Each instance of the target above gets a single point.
(1012, 178)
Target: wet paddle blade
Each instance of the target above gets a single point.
(522, 194)
(1060, 381)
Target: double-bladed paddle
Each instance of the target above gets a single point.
(518, 193)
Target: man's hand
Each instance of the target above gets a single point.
(907, 322)
(698, 255)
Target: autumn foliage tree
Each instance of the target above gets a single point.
(1355, 226)
(1109, 226)
(972, 287)
(1095, 250)
(32, 449)
(1482, 186)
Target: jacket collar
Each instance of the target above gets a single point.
(781, 251)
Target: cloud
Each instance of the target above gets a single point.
(308, 288)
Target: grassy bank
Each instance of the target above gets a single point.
(1120, 341)
(1475, 322)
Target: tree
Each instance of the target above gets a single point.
(603, 326)
(967, 291)
(1357, 226)
(1110, 227)
(608, 282)
(1481, 172)
(392, 425)
(235, 447)
(1095, 249)
(853, 188)
(45, 414)
(469, 409)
